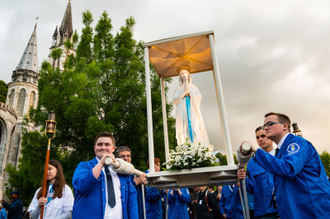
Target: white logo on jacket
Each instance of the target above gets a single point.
(293, 148)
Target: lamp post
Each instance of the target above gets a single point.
(50, 134)
(296, 130)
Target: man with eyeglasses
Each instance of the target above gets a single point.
(101, 193)
(124, 153)
(301, 188)
(259, 181)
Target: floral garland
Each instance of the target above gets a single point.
(188, 155)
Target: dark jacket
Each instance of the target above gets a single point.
(216, 211)
(202, 210)
(14, 209)
(192, 206)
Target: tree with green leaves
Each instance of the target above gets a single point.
(325, 157)
(101, 89)
(223, 159)
(3, 91)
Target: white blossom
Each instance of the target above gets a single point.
(209, 154)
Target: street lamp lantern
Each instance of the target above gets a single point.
(50, 125)
(296, 130)
(50, 130)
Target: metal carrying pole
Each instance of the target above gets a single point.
(244, 155)
(245, 199)
(50, 134)
(240, 196)
(166, 215)
(143, 202)
(245, 209)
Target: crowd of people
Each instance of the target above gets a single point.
(288, 183)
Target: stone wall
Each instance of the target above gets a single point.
(8, 119)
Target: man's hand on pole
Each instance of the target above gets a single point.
(141, 179)
(241, 174)
(102, 161)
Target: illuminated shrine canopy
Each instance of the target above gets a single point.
(193, 49)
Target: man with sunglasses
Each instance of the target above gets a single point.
(301, 188)
(259, 181)
(124, 153)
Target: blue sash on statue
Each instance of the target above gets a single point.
(189, 118)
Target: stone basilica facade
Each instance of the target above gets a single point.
(23, 94)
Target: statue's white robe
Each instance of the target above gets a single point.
(198, 128)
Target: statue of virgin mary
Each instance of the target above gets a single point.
(189, 120)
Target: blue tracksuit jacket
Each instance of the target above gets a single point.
(139, 196)
(177, 205)
(301, 186)
(154, 208)
(225, 200)
(154, 203)
(260, 183)
(90, 197)
(230, 203)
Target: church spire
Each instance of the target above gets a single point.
(55, 32)
(62, 33)
(66, 29)
(29, 60)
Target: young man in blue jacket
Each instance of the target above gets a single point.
(101, 193)
(301, 186)
(259, 181)
(154, 197)
(178, 200)
(230, 202)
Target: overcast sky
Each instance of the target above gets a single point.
(272, 55)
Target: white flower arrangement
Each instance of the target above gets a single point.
(188, 155)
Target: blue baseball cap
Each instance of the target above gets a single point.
(15, 192)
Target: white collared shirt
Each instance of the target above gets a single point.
(116, 212)
(56, 207)
(282, 141)
(272, 152)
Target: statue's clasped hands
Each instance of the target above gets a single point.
(186, 90)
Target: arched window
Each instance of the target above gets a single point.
(21, 103)
(32, 99)
(3, 139)
(11, 98)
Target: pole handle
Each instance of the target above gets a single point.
(45, 178)
(122, 167)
